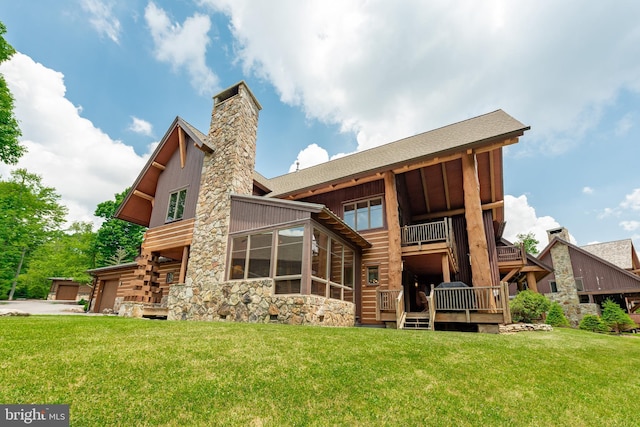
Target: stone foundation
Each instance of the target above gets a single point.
(573, 311)
(131, 309)
(253, 301)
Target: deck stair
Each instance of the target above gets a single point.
(417, 321)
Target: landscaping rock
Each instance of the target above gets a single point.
(524, 327)
(12, 312)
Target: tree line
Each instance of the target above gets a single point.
(35, 243)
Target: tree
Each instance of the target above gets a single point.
(10, 148)
(30, 214)
(529, 306)
(116, 235)
(556, 317)
(67, 254)
(593, 323)
(529, 242)
(615, 317)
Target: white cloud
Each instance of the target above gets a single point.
(587, 190)
(630, 225)
(141, 126)
(183, 46)
(386, 70)
(632, 200)
(309, 156)
(102, 18)
(80, 161)
(624, 124)
(522, 218)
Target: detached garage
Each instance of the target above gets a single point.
(65, 289)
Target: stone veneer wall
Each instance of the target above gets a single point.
(253, 301)
(228, 169)
(567, 295)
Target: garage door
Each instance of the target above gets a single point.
(108, 295)
(67, 292)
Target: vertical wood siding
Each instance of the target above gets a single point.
(462, 248)
(487, 218)
(174, 178)
(248, 216)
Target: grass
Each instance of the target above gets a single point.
(128, 372)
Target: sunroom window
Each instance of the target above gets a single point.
(251, 256)
(331, 267)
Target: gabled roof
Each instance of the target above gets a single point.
(439, 142)
(148, 179)
(558, 240)
(530, 258)
(619, 252)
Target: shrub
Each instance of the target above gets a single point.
(593, 323)
(529, 306)
(615, 318)
(556, 317)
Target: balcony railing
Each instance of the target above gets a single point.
(436, 231)
(387, 299)
(511, 253)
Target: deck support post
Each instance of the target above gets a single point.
(478, 249)
(446, 275)
(393, 228)
(183, 264)
(531, 281)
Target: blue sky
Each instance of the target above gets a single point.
(98, 82)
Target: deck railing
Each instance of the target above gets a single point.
(436, 231)
(387, 299)
(492, 299)
(400, 311)
(511, 253)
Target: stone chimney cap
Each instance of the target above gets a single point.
(234, 90)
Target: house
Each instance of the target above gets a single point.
(65, 289)
(350, 241)
(584, 277)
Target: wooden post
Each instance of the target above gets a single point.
(446, 274)
(393, 229)
(478, 249)
(183, 264)
(531, 281)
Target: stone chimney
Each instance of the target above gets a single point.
(560, 232)
(227, 169)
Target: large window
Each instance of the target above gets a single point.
(364, 215)
(331, 267)
(251, 256)
(176, 205)
(280, 254)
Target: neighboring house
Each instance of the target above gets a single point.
(582, 280)
(350, 241)
(65, 289)
(518, 268)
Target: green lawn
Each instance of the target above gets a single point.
(128, 372)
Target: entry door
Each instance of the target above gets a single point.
(109, 292)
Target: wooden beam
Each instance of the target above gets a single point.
(393, 229)
(510, 274)
(478, 248)
(531, 281)
(158, 166)
(446, 185)
(183, 147)
(492, 178)
(425, 163)
(446, 275)
(143, 195)
(485, 207)
(496, 145)
(183, 264)
(423, 178)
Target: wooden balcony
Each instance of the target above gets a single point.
(510, 257)
(430, 232)
(387, 303)
(478, 304)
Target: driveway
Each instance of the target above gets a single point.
(42, 307)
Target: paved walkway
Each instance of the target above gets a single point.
(42, 307)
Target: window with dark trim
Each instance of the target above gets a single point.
(251, 256)
(373, 277)
(175, 211)
(579, 284)
(553, 286)
(332, 267)
(364, 214)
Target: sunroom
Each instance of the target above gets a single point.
(303, 247)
